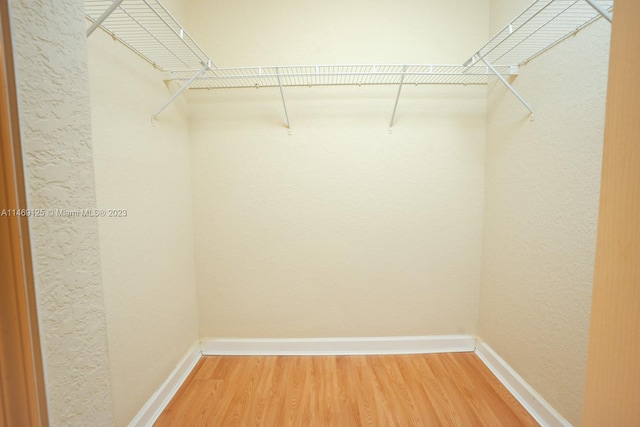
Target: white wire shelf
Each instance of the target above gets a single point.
(340, 75)
(147, 28)
(541, 26)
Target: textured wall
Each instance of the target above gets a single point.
(54, 102)
(339, 229)
(541, 209)
(147, 256)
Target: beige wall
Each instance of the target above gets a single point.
(541, 209)
(503, 12)
(51, 60)
(253, 32)
(339, 229)
(147, 258)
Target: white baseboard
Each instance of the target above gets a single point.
(539, 408)
(338, 346)
(161, 398)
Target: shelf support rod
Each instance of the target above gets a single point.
(602, 11)
(284, 104)
(506, 83)
(182, 89)
(104, 16)
(395, 106)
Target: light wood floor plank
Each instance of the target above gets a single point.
(449, 389)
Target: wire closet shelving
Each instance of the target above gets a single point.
(537, 29)
(148, 29)
(340, 75)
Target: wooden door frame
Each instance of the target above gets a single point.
(22, 389)
(612, 389)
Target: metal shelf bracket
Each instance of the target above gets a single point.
(182, 89)
(395, 106)
(506, 83)
(104, 16)
(284, 104)
(602, 11)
